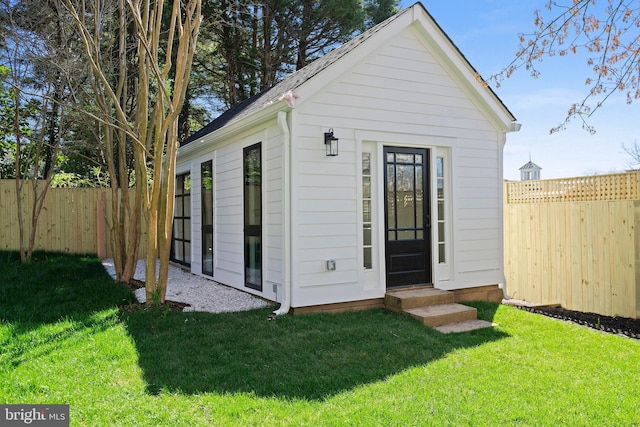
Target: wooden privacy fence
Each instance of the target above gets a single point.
(72, 219)
(575, 242)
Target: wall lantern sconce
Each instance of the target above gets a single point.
(331, 143)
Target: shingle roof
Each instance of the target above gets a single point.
(530, 165)
(299, 77)
(289, 83)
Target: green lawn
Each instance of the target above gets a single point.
(63, 340)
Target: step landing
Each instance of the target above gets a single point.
(399, 300)
(434, 308)
(442, 314)
(469, 325)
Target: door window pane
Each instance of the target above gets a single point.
(187, 254)
(405, 211)
(253, 261)
(366, 212)
(366, 235)
(366, 164)
(405, 158)
(207, 254)
(253, 187)
(391, 197)
(366, 187)
(186, 205)
(442, 224)
(406, 234)
(207, 192)
(181, 236)
(368, 260)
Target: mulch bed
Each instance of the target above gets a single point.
(135, 284)
(615, 325)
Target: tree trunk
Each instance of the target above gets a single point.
(149, 128)
(18, 163)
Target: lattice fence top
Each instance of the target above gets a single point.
(620, 186)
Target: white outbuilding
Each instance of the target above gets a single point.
(376, 166)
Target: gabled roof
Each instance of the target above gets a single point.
(530, 165)
(299, 77)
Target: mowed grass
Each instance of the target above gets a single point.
(63, 340)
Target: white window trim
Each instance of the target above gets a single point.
(444, 269)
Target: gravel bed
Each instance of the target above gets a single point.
(199, 293)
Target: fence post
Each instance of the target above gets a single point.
(101, 229)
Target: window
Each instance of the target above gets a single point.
(253, 217)
(442, 248)
(366, 212)
(181, 247)
(405, 192)
(206, 176)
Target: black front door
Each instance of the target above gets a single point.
(407, 217)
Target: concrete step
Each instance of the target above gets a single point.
(469, 325)
(442, 314)
(404, 299)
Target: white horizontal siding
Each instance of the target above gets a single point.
(479, 245)
(331, 224)
(320, 254)
(474, 213)
(229, 265)
(273, 205)
(463, 225)
(412, 121)
(412, 105)
(196, 219)
(229, 210)
(398, 83)
(483, 203)
(477, 232)
(474, 192)
(401, 88)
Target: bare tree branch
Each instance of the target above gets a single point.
(607, 32)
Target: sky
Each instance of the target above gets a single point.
(486, 32)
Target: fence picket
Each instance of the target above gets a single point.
(70, 220)
(587, 256)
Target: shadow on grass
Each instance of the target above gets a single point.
(54, 298)
(295, 357)
(61, 299)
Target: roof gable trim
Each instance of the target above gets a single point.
(450, 56)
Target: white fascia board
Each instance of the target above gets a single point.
(205, 143)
